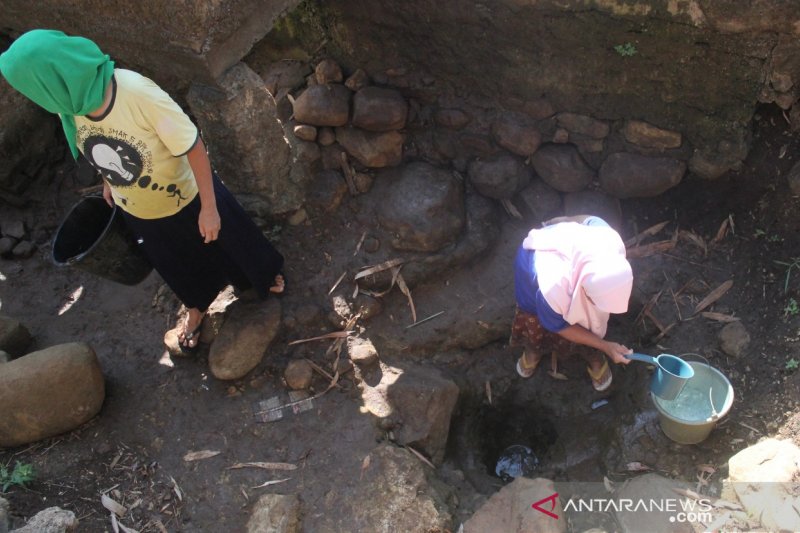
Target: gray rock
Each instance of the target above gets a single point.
(28, 139)
(4, 357)
(14, 337)
(423, 206)
(23, 250)
(51, 520)
(323, 105)
(649, 136)
(328, 71)
(372, 149)
(652, 487)
(328, 191)
(357, 81)
(368, 306)
(453, 119)
(307, 152)
(283, 76)
(298, 374)
(708, 165)
(562, 167)
(402, 495)
(246, 334)
(326, 136)
(305, 132)
(539, 200)
(275, 513)
(246, 142)
(478, 145)
(421, 400)
(516, 134)
(14, 228)
(584, 125)
(48, 392)
(509, 510)
(595, 203)
(539, 109)
(763, 478)
(377, 109)
(6, 245)
(332, 156)
(734, 339)
(499, 177)
(361, 351)
(625, 175)
(363, 182)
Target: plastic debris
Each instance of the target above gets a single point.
(515, 461)
(272, 409)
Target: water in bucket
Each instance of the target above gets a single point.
(692, 404)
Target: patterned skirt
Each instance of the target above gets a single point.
(527, 331)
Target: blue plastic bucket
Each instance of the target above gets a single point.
(670, 376)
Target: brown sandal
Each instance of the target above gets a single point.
(525, 369)
(602, 378)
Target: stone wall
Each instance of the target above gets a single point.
(581, 95)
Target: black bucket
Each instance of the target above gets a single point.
(93, 237)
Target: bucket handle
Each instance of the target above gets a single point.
(714, 412)
(705, 360)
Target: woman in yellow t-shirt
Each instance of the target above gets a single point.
(154, 167)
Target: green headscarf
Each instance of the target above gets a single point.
(63, 74)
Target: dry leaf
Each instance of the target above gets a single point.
(113, 506)
(379, 268)
(266, 466)
(636, 466)
(488, 388)
(646, 250)
(360, 242)
(177, 489)
(202, 454)
(332, 335)
(695, 239)
(338, 281)
(510, 209)
(557, 375)
(713, 296)
(404, 289)
(719, 317)
(364, 466)
(609, 485)
(721, 232)
(420, 457)
(268, 483)
(652, 230)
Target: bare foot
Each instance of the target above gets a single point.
(190, 334)
(279, 285)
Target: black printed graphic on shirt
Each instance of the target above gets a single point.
(123, 162)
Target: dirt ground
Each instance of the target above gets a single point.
(158, 409)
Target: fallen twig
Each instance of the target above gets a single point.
(332, 335)
(202, 454)
(266, 466)
(420, 456)
(338, 281)
(424, 320)
(268, 483)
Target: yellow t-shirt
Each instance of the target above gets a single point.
(139, 146)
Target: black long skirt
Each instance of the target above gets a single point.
(196, 272)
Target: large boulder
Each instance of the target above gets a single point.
(626, 175)
(394, 492)
(248, 330)
(323, 105)
(197, 41)
(516, 134)
(509, 510)
(51, 520)
(275, 513)
(48, 392)
(499, 177)
(562, 167)
(419, 403)
(247, 144)
(372, 149)
(378, 109)
(423, 206)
